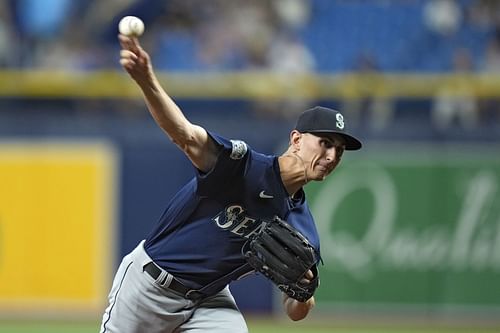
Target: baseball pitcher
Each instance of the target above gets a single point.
(242, 211)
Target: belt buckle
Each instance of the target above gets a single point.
(193, 295)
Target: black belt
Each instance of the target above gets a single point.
(174, 285)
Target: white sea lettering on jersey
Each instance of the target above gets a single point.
(242, 228)
(235, 220)
(256, 230)
(239, 149)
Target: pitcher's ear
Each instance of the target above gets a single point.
(295, 137)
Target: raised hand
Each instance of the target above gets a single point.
(134, 59)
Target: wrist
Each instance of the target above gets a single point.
(147, 81)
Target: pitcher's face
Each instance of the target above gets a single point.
(321, 153)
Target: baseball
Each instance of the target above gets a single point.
(131, 26)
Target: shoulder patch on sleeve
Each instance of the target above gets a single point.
(239, 149)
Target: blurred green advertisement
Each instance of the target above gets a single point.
(415, 228)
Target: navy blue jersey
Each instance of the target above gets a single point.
(200, 235)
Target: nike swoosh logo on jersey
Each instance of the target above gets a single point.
(265, 196)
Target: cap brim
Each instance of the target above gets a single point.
(351, 143)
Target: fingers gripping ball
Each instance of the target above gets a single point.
(131, 26)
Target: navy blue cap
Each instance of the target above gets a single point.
(324, 120)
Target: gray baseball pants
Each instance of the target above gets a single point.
(138, 303)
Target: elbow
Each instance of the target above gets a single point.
(182, 138)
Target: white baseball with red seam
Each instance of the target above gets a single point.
(131, 26)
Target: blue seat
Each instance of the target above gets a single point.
(176, 50)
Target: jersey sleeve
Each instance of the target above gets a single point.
(231, 163)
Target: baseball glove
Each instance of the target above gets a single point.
(284, 256)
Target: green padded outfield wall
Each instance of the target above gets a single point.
(411, 229)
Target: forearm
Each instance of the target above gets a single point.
(191, 139)
(297, 310)
(164, 110)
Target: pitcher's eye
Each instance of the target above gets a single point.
(326, 143)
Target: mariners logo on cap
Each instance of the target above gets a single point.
(340, 121)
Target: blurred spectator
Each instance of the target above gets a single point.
(71, 51)
(442, 16)
(287, 51)
(221, 36)
(57, 34)
(288, 54)
(291, 62)
(40, 22)
(253, 31)
(365, 95)
(226, 34)
(8, 47)
(95, 17)
(43, 20)
(484, 13)
(491, 61)
(456, 99)
(489, 106)
(294, 14)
